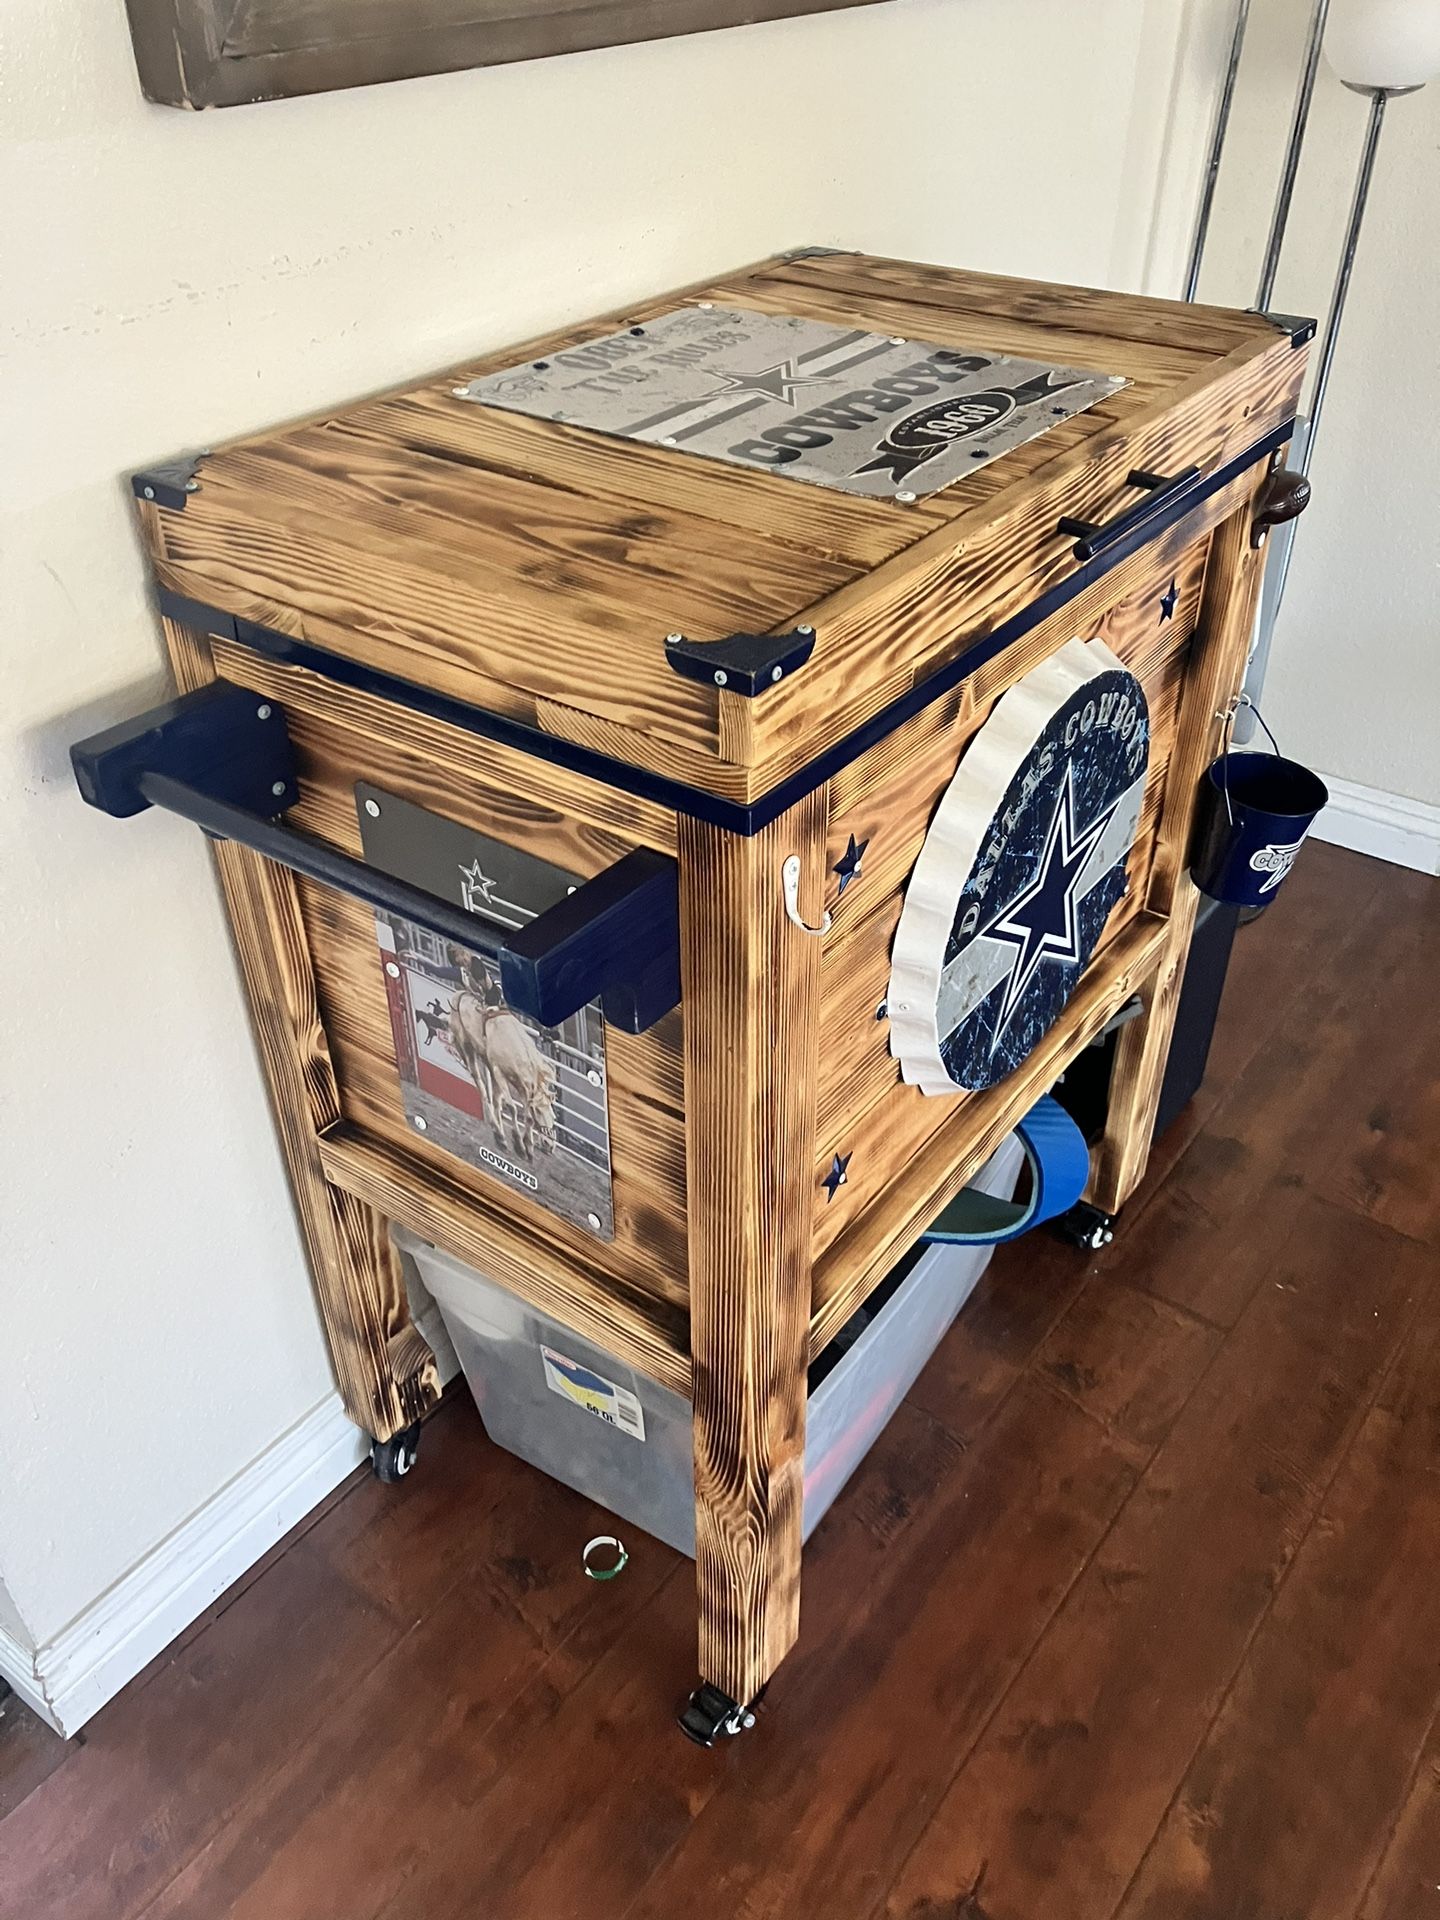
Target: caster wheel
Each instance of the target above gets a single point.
(1086, 1226)
(392, 1459)
(710, 1715)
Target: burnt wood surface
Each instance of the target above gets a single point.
(533, 569)
(1130, 1614)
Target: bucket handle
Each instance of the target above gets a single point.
(1227, 720)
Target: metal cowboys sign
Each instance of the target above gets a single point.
(1024, 861)
(864, 412)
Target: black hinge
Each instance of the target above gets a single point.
(171, 482)
(1296, 325)
(746, 663)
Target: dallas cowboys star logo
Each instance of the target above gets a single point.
(848, 865)
(772, 383)
(477, 889)
(1041, 922)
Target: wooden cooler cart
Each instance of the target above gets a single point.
(726, 704)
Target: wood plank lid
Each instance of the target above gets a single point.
(724, 623)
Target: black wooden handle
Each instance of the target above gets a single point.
(1132, 527)
(222, 758)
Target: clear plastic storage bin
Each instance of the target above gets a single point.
(623, 1440)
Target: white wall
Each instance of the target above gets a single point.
(10, 1621)
(1354, 682)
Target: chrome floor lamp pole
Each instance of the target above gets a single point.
(1217, 149)
(1361, 46)
(1326, 357)
(1299, 120)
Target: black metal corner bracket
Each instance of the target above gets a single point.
(171, 482)
(222, 757)
(1296, 325)
(746, 663)
(813, 253)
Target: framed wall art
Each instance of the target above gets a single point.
(226, 53)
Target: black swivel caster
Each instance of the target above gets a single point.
(710, 1715)
(1086, 1226)
(392, 1459)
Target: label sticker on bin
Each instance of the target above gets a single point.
(594, 1393)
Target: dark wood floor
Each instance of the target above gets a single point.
(1132, 1612)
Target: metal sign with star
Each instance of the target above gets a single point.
(867, 413)
(524, 1104)
(1020, 870)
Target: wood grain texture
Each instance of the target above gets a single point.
(836, 526)
(647, 1141)
(428, 611)
(513, 791)
(641, 1329)
(1152, 365)
(903, 1174)
(1093, 311)
(1213, 680)
(534, 569)
(1298, 1106)
(887, 797)
(831, 1813)
(1122, 608)
(750, 979)
(224, 53)
(956, 584)
(1239, 1832)
(340, 737)
(1055, 1807)
(386, 1371)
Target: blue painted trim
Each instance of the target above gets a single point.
(734, 816)
(920, 696)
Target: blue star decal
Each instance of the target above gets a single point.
(848, 865)
(836, 1178)
(1041, 923)
(1169, 600)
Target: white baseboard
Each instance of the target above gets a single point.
(1386, 825)
(70, 1679)
(17, 1665)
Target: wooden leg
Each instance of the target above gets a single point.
(750, 982)
(1213, 679)
(385, 1368)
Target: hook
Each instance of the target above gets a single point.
(790, 882)
(1226, 717)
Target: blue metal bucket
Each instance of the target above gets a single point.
(1254, 816)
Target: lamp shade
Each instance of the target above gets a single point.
(1384, 43)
